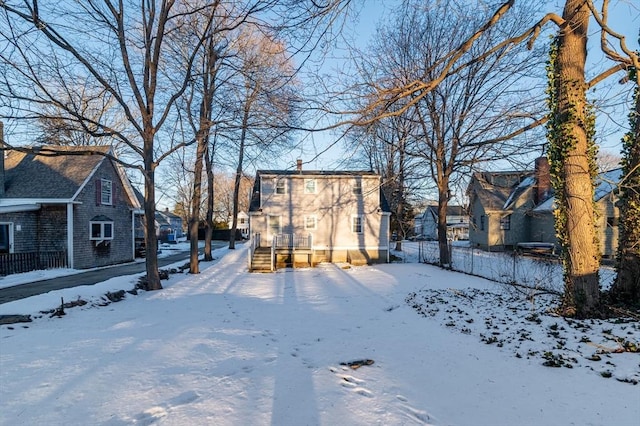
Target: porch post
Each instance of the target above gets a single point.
(70, 235)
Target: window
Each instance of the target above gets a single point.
(280, 187)
(310, 222)
(357, 187)
(483, 219)
(309, 186)
(356, 224)
(101, 230)
(106, 192)
(242, 220)
(505, 222)
(274, 224)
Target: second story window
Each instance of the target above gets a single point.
(104, 192)
(309, 186)
(482, 220)
(280, 187)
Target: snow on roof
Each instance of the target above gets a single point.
(606, 182)
(526, 183)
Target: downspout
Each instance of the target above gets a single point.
(70, 236)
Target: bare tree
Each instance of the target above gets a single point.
(264, 100)
(115, 46)
(470, 116)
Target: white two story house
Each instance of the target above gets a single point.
(310, 216)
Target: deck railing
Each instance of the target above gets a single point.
(292, 241)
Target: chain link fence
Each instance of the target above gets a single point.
(503, 267)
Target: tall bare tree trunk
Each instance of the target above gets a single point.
(582, 257)
(208, 226)
(150, 237)
(194, 218)
(236, 185)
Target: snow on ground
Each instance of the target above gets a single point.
(29, 277)
(227, 347)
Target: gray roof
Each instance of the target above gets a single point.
(498, 190)
(49, 177)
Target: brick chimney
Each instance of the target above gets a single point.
(299, 165)
(2, 184)
(543, 180)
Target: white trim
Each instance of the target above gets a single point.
(361, 217)
(10, 234)
(102, 192)
(70, 235)
(20, 208)
(133, 234)
(102, 224)
(23, 201)
(284, 186)
(93, 172)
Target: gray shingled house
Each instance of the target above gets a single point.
(73, 211)
(511, 209)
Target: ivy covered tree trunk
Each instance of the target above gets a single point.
(626, 289)
(572, 160)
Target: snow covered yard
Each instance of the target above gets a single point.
(226, 347)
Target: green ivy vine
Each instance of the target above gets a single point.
(561, 142)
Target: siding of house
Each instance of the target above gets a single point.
(333, 204)
(120, 249)
(429, 226)
(608, 232)
(52, 228)
(543, 227)
(477, 235)
(24, 240)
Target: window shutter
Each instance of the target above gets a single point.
(98, 192)
(113, 194)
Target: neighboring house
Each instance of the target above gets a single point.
(515, 208)
(242, 225)
(169, 226)
(315, 216)
(79, 208)
(608, 214)
(417, 225)
(457, 223)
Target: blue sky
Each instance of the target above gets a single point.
(624, 18)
